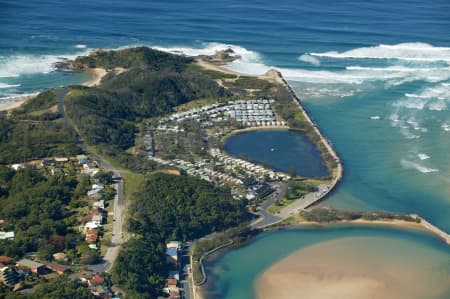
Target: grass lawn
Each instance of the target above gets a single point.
(132, 182)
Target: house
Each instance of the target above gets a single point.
(61, 159)
(5, 260)
(89, 166)
(96, 280)
(174, 274)
(6, 235)
(97, 219)
(33, 266)
(16, 167)
(174, 244)
(8, 277)
(171, 283)
(172, 255)
(56, 171)
(99, 204)
(60, 256)
(91, 235)
(57, 268)
(90, 225)
(94, 193)
(83, 160)
(48, 162)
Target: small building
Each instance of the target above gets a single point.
(174, 274)
(33, 266)
(60, 256)
(5, 260)
(99, 204)
(16, 167)
(91, 235)
(172, 255)
(83, 160)
(174, 244)
(89, 166)
(57, 268)
(96, 280)
(61, 159)
(8, 277)
(56, 171)
(6, 235)
(48, 162)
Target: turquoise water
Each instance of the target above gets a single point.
(281, 150)
(233, 275)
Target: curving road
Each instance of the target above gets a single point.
(119, 208)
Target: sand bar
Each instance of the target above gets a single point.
(354, 268)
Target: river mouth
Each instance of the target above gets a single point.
(281, 150)
(240, 273)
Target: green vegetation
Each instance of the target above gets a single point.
(26, 135)
(44, 100)
(184, 208)
(140, 57)
(140, 268)
(153, 85)
(332, 215)
(59, 288)
(170, 207)
(33, 207)
(295, 191)
(211, 74)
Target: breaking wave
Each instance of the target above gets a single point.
(404, 51)
(14, 66)
(310, 59)
(4, 85)
(413, 165)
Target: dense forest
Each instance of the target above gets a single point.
(170, 207)
(33, 207)
(153, 84)
(35, 131)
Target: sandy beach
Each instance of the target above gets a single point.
(97, 76)
(354, 268)
(14, 103)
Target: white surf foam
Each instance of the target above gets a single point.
(439, 105)
(404, 51)
(413, 165)
(310, 59)
(446, 126)
(423, 156)
(4, 85)
(14, 66)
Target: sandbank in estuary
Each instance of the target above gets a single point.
(359, 267)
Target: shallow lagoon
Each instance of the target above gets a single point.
(281, 150)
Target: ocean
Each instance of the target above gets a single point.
(375, 75)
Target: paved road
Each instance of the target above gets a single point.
(119, 208)
(267, 218)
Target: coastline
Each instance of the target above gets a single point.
(15, 102)
(97, 75)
